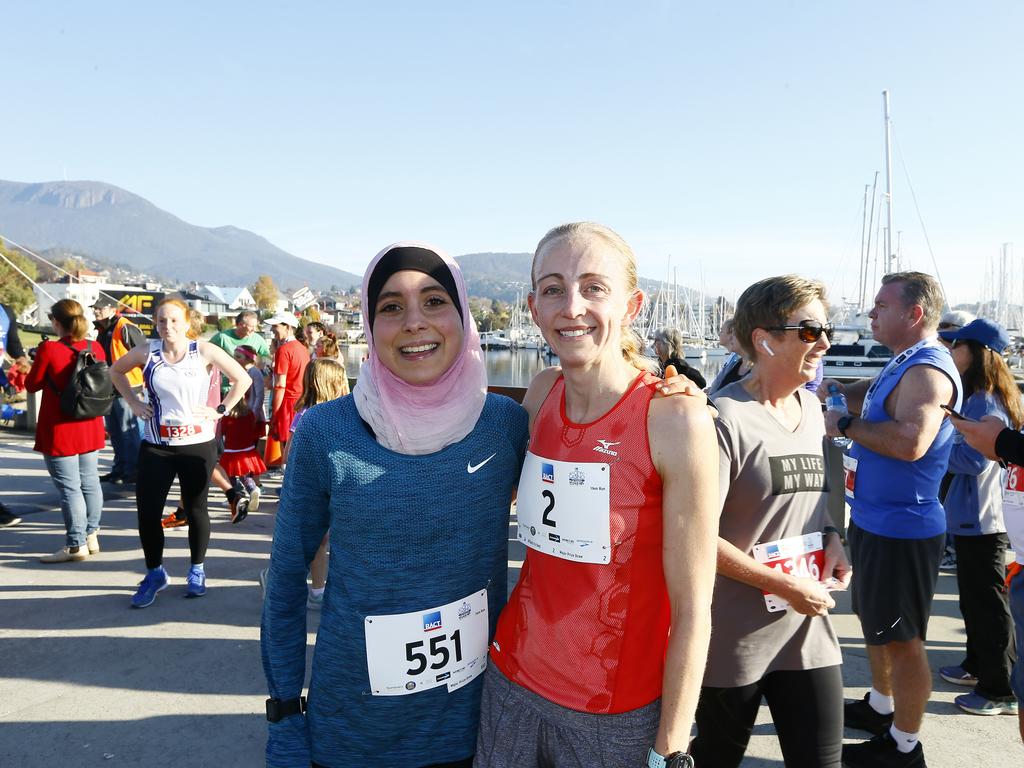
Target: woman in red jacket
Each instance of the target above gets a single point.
(70, 447)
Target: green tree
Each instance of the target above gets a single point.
(15, 289)
(72, 265)
(264, 293)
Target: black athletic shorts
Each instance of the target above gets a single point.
(893, 584)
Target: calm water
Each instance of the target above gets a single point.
(507, 368)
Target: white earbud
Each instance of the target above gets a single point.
(767, 349)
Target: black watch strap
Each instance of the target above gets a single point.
(844, 424)
(278, 710)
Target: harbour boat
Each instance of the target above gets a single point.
(495, 340)
(694, 351)
(855, 354)
(522, 331)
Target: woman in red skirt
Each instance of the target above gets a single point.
(241, 431)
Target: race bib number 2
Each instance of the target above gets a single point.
(564, 509)
(798, 556)
(411, 652)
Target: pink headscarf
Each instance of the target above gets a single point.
(419, 419)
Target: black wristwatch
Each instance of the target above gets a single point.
(221, 409)
(278, 710)
(844, 424)
(674, 760)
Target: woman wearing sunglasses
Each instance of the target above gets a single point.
(777, 554)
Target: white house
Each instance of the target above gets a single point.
(234, 297)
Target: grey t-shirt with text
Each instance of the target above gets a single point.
(773, 486)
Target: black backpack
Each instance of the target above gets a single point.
(90, 393)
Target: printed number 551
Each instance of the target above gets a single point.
(438, 648)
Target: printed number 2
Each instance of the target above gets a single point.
(437, 648)
(549, 509)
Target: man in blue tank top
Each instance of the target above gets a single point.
(897, 530)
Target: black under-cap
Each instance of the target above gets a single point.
(414, 258)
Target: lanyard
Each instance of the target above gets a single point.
(891, 367)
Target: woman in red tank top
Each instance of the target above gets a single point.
(599, 655)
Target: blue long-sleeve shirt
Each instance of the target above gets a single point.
(406, 533)
(974, 504)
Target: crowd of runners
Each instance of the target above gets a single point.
(680, 557)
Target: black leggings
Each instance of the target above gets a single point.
(806, 706)
(158, 466)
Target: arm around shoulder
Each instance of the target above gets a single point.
(684, 448)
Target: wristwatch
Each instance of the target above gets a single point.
(221, 409)
(277, 709)
(844, 424)
(675, 760)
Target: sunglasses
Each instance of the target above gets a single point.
(808, 331)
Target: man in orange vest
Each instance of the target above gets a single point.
(117, 335)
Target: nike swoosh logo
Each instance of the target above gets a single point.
(471, 468)
(892, 627)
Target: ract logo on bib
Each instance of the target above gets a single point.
(431, 621)
(772, 551)
(547, 473)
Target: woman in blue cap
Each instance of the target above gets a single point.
(974, 513)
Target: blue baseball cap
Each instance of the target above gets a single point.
(982, 331)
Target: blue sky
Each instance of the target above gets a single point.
(732, 140)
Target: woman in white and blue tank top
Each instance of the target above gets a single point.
(180, 427)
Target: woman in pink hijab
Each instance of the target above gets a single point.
(413, 474)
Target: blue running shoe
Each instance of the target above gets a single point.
(196, 581)
(153, 582)
(977, 704)
(958, 676)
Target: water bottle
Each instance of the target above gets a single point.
(836, 401)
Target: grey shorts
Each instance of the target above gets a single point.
(893, 584)
(519, 729)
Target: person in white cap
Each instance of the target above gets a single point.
(290, 361)
(955, 320)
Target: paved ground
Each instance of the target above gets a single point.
(86, 681)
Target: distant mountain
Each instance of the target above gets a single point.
(114, 226)
(496, 275)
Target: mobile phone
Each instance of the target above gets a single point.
(954, 413)
(832, 584)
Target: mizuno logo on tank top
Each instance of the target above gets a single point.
(606, 447)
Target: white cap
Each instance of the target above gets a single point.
(287, 318)
(956, 319)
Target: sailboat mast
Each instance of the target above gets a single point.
(862, 277)
(890, 256)
(869, 271)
